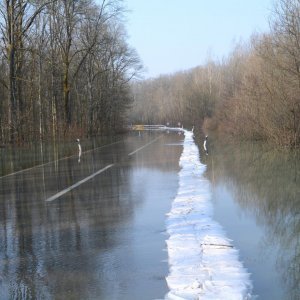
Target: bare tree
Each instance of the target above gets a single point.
(286, 52)
(17, 18)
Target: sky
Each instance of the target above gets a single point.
(176, 35)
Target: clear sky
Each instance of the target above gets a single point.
(175, 35)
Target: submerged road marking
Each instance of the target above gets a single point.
(53, 161)
(66, 190)
(78, 183)
(141, 148)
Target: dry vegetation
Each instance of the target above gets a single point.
(254, 93)
(65, 68)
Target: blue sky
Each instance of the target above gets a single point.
(175, 35)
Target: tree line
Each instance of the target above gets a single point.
(253, 93)
(65, 68)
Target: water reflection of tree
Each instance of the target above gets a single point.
(14, 159)
(265, 183)
(39, 239)
(57, 250)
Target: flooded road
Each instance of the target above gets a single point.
(256, 198)
(93, 229)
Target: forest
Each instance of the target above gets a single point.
(253, 93)
(65, 69)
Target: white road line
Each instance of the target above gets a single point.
(53, 161)
(141, 148)
(78, 183)
(94, 174)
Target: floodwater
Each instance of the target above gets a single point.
(256, 198)
(91, 227)
(94, 227)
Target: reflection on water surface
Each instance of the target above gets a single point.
(256, 194)
(102, 240)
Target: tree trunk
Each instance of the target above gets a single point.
(66, 86)
(12, 93)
